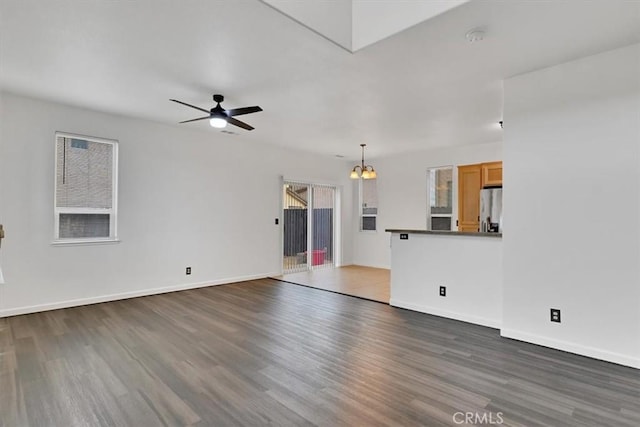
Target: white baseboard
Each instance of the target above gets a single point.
(125, 295)
(382, 267)
(582, 350)
(444, 313)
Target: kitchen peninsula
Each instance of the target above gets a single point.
(468, 265)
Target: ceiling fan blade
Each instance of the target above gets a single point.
(194, 120)
(244, 110)
(238, 123)
(189, 105)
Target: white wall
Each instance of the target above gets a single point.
(186, 198)
(402, 194)
(571, 206)
(470, 267)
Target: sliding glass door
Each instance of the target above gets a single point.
(308, 226)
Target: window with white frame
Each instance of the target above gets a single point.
(440, 209)
(85, 189)
(368, 204)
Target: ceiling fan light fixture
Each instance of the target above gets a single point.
(218, 122)
(219, 117)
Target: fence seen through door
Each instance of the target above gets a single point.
(308, 223)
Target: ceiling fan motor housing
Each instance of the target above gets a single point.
(218, 111)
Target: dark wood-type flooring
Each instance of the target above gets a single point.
(271, 353)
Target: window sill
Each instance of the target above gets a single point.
(84, 242)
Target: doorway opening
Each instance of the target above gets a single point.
(309, 227)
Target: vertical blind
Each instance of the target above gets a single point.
(324, 198)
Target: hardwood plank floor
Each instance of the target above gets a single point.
(271, 353)
(364, 282)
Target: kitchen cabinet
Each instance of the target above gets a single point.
(469, 186)
(492, 174)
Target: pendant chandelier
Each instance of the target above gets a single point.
(363, 171)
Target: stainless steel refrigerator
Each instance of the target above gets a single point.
(491, 210)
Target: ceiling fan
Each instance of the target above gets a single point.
(219, 117)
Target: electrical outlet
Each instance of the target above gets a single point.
(277, 221)
(555, 315)
(188, 271)
(443, 291)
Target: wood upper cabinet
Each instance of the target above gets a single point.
(469, 186)
(491, 174)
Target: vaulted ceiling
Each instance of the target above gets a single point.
(355, 24)
(424, 87)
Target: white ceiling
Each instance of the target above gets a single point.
(355, 24)
(424, 87)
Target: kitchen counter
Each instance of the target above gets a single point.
(443, 233)
(466, 265)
